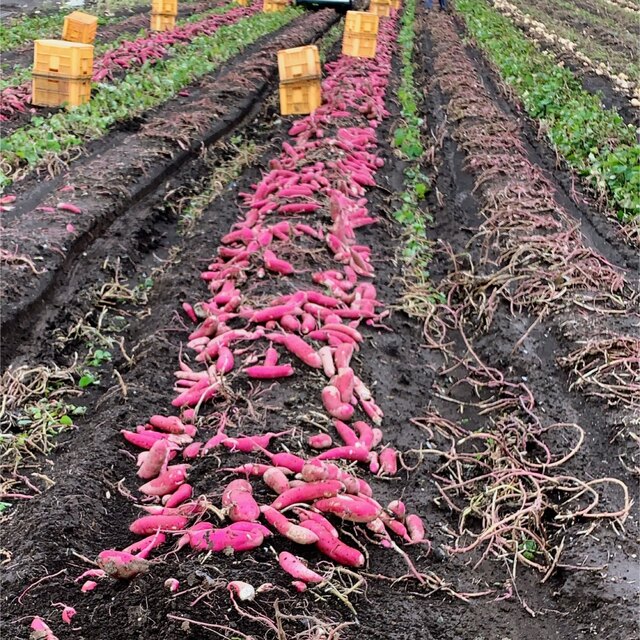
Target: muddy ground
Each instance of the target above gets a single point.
(84, 512)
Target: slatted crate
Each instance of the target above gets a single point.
(80, 27)
(301, 97)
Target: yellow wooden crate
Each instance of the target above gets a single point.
(395, 4)
(273, 6)
(162, 22)
(80, 27)
(69, 59)
(300, 98)
(164, 7)
(54, 91)
(361, 22)
(359, 46)
(299, 63)
(380, 9)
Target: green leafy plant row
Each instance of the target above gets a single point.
(408, 144)
(137, 92)
(594, 141)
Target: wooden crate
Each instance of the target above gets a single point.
(299, 63)
(380, 8)
(359, 46)
(164, 7)
(54, 91)
(361, 23)
(58, 57)
(273, 6)
(162, 22)
(80, 27)
(301, 97)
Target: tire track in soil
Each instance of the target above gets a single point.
(143, 155)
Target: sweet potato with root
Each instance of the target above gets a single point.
(356, 453)
(415, 528)
(296, 568)
(155, 460)
(180, 495)
(307, 493)
(251, 443)
(287, 460)
(319, 441)
(144, 547)
(41, 630)
(306, 514)
(121, 565)
(351, 508)
(167, 482)
(388, 458)
(147, 525)
(333, 547)
(288, 529)
(276, 480)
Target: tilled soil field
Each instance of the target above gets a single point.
(474, 433)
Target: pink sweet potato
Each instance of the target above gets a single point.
(348, 507)
(155, 460)
(307, 493)
(167, 482)
(388, 461)
(298, 347)
(150, 524)
(242, 507)
(415, 528)
(295, 567)
(356, 453)
(41, 630)
(305, 514)
(265, 372)
(347, 434)
(288, 529)
(320, 441)
(334, 548)
(170, 424)
(276, 480)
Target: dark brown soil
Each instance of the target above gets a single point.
(84, 512)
